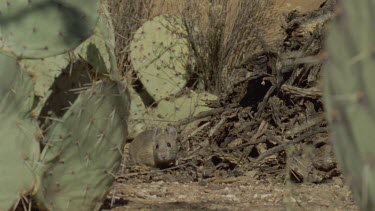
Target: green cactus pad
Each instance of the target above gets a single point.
(93, 51)
(19, 148)
(137, 122)
(98, 49)
(84, 150)
(44, 71)
(159, 55)
(40, 28)
(350, 98)
(168, 112)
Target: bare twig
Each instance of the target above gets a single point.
(282, 147)
(201, 115)
(313, 92)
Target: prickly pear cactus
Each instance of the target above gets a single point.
(44, 72)
(40, 28)
(159, 55)
(84, 150)
(137, 118)
(19, 148)
(99, 49)
(171, 111)
(349, 95)
(166, 112)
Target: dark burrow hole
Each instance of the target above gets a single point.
(255, 92)
(107, 205)
(223, 164)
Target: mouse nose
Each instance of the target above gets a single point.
(163, 155)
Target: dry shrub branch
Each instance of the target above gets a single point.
(127, 16)
(222, 34)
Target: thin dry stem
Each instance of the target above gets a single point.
(226, 35)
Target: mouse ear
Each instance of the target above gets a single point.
(157, 131)
(172, 131)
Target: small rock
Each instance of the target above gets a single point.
(338, 181)
(230, 196)
(250, 174)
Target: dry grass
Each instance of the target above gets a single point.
(226, 36)
(127, 16)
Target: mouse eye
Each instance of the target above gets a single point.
(157, 146)
(169, 144)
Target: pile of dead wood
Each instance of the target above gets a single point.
(272, 117)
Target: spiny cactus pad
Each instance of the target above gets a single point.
(159, 55)
(170, 111)
(137, 122)
(349, 95)
(40, 28)
(19, 149)
(84, 150)
(44, 71)
(98, 49)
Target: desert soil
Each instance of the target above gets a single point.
(238, 193)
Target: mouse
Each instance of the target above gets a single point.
(156, 148)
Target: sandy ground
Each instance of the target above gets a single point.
(240, 193)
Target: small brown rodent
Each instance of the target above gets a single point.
(154, 148)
